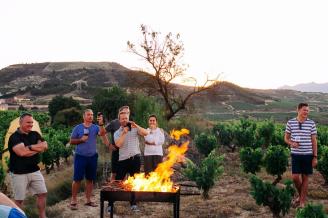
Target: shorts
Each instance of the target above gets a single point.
(85, 167)
(129, 166)
(302, 164)
(114, 163)
(32, 182)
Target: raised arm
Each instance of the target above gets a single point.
(141, 131)
(119, 139)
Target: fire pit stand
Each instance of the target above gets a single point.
(111, 195)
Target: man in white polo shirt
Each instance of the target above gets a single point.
(126, 139)
(301, 136)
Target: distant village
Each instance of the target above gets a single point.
(28, 103)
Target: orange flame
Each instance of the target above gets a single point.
(159, 180)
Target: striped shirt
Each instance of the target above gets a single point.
(130, 146)
(301, 133)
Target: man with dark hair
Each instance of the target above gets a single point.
(301, 136)
(24, 147)
(84, 136)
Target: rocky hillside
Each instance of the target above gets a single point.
(41, 81)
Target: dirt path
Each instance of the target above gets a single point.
(229, 198)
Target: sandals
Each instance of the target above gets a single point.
(73, 206)
(296, 202)
(91, 204)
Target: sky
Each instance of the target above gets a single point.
(253, 43)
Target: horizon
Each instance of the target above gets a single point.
(254, 44)
(281, 87)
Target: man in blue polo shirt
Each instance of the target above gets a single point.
(301, 136)
(84, 136)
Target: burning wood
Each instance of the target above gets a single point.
(159, 180)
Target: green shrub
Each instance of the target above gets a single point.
(323, 163)
(267, 194)
(278, 137)
(59, 103)
(205, 143)
(276, 161)
(311, 211)
(108, 101)
(143, 106)
(68, 117)
(207, 173)
(322, 135)
(225, 134)
(251, 159)
(266, 130)
(245, 132)
(2, 176)
(195, 124)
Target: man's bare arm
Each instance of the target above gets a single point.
(23, 151)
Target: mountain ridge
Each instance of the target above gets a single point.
(41, 81)
(308, 87)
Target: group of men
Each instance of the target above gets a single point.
(25, 146)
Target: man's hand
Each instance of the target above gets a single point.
(314, 162)
(133, 124)
(294, 144)
(112, 147)
(44, 144)
(84, 138)
(125, 130)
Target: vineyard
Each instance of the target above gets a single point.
(57, 138)
(259, 143)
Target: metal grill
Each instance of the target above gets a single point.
(115, 192)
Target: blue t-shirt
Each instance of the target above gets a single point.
(89, 147)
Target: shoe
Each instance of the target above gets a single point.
(73, 206)
(135, 208)
(295, 202)
(91, 204)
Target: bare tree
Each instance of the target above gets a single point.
(164, 56)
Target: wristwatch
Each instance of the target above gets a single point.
(30, 147)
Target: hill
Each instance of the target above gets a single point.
(41, 81)
(309, 87)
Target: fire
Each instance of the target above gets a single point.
(159, 180)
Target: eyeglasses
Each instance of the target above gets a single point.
(300, 125)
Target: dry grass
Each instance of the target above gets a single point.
(229, 198)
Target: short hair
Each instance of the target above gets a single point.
(87, 110)
(121, 112)
(25, 114)
(152, 115)
(123, 107)
(300, 105)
